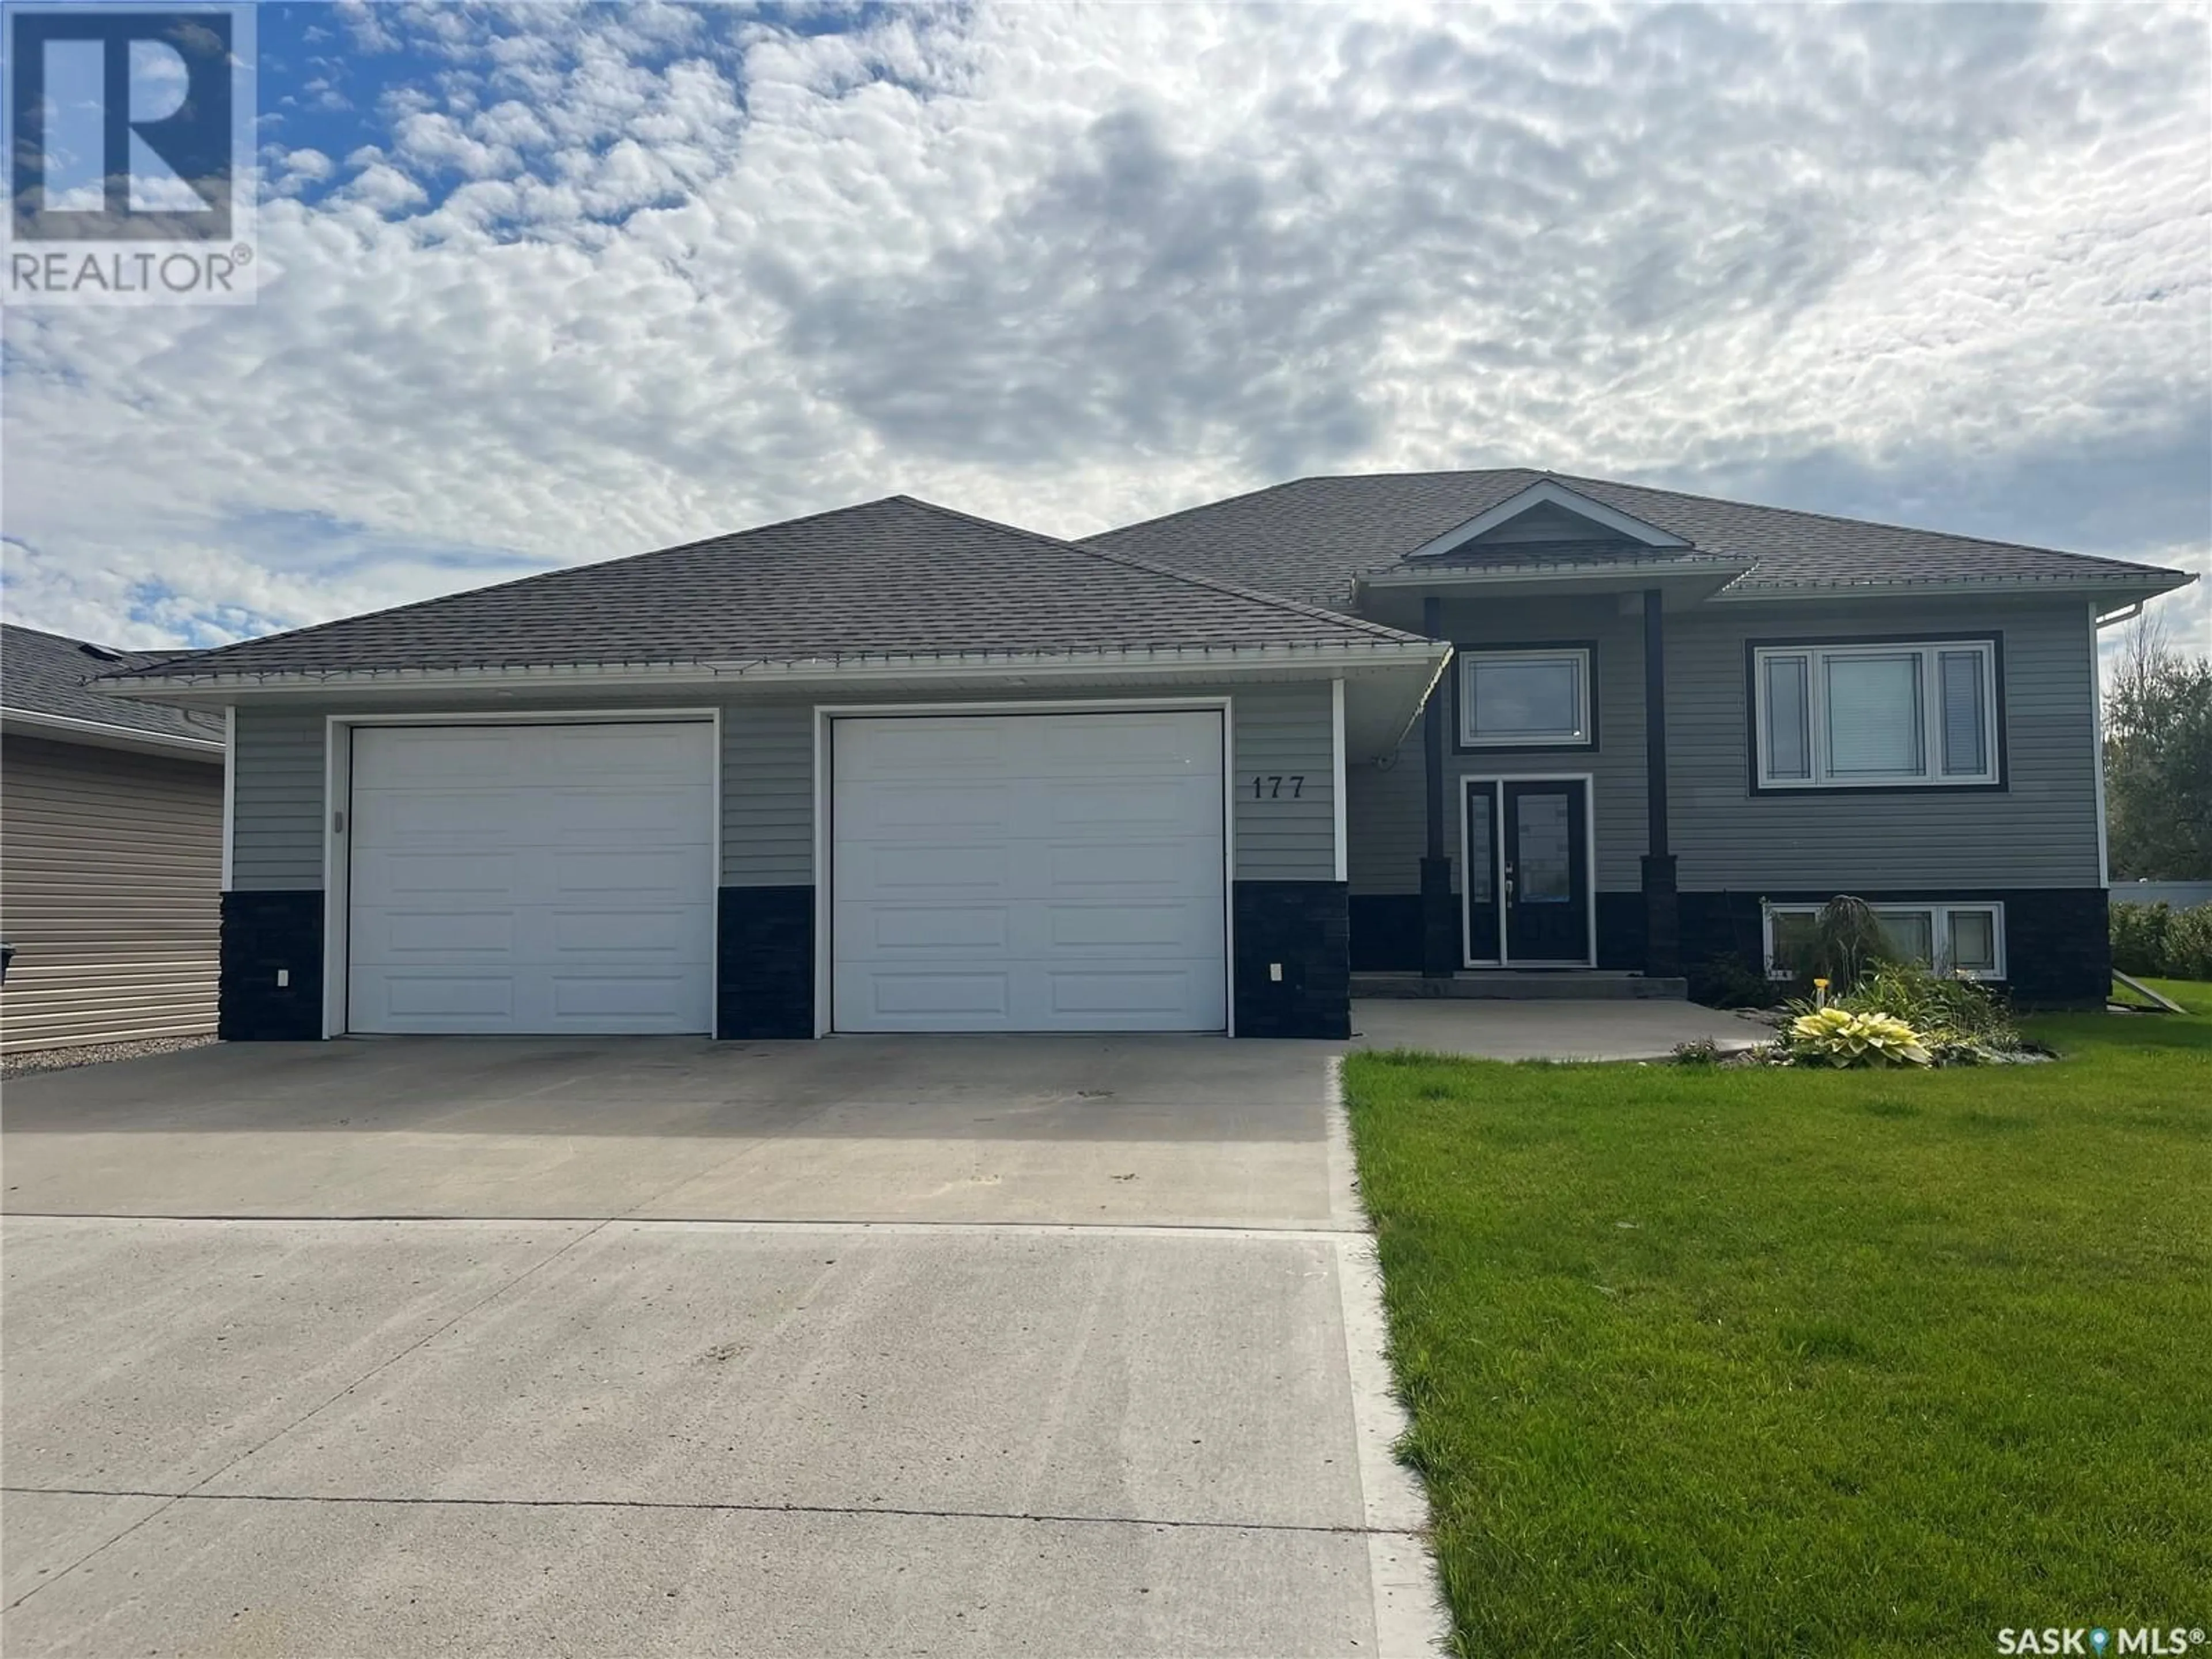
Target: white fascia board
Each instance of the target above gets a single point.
(67, 728)
(1231, 660)
(1973, 586)
(1549, 492)
(1611, 572)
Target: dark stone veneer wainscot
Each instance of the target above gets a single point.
(261, 934)
(764, 940)
(1304, 926)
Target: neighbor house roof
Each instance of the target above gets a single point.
(44, 691)
(892, 579)
(1312, 538)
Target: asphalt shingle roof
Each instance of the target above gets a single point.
(894, 577)
(46, 674)
(1307, 539)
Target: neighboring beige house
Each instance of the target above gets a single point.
(111, 852)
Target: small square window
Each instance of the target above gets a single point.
(1527, 699)
(1910, 933)
(1793, 943)
(1974, 941)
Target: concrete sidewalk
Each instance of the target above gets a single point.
(1562, 1031)
(1025, 1346)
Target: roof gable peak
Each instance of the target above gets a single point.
(1549, 511)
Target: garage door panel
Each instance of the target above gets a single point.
(1172, 928)
(982, 994)
(567, 886)
(449, 877)
(1181, 805)
(436, 935)
(459, 817)
(616, 998)
(926, 805)
(930, 928)
(642, 875)
(1125, 868)
(453, 1001)
(1029, 872)
(1129, 993)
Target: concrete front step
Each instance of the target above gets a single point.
(1568, 984)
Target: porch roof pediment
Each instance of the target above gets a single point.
(1544, 519)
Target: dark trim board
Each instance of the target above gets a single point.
(2057, 939)
(264, 934)
(764, 947)
(1302, 927)
(1993, 638)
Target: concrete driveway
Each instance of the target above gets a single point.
(949, 1346)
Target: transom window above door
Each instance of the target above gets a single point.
(1876, 714)
(1538, 698)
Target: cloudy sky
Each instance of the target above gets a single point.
(555, 283)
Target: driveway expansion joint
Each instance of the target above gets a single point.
(888, 1511)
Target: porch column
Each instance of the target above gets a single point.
(1663, 927)
(1440, 929)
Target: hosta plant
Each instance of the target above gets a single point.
(1837, 1037)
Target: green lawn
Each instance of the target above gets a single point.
(1767, 1362)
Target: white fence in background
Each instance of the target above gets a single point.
(2181, 895)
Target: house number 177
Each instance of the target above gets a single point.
(1270, 787)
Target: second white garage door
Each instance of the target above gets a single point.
(1029, 872)
(547, 879)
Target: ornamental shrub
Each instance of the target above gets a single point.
(1840, 1036)
(2164, 943)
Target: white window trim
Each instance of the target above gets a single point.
(1939, 929)
(1931, 716)
(1578, 738)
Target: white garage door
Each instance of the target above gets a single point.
(550, 878)
(1029, 872)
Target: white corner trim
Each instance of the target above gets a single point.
(1337, 777)
(1549, 492)
(2097, 745)
(230, 791)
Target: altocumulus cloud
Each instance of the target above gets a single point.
(554, 283)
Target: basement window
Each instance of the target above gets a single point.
(1965, 939)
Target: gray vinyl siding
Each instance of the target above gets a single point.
(1386, 806)
(276, 836)
(1286, 732)
(1282, 729)
(2039, 831)
(768, 795)
(110, 863)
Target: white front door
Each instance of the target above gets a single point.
(1029, 872)
(531, 878)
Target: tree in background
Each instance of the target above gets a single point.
(2158, 760)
